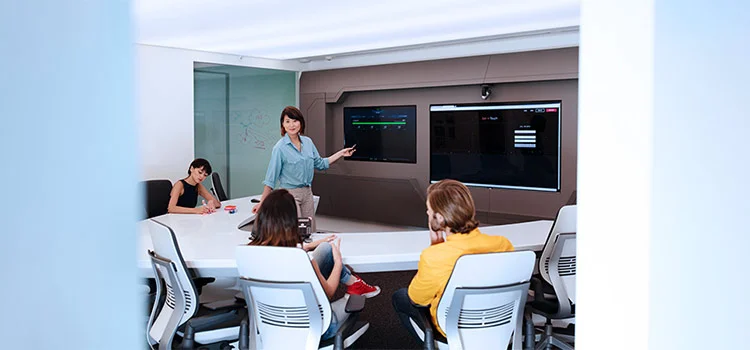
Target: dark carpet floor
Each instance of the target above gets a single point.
(385, 330)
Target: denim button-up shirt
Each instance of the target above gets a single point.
(293, 168)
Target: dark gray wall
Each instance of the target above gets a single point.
(541, 75)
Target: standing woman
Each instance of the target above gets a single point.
(293, 162)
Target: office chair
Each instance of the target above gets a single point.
(483, 302)
(157, 197)
(179, 312)
(562, 274)
(287, 305)
(566, 221)
(217, 188)
(157, 203)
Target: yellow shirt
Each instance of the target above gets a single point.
(437, 261)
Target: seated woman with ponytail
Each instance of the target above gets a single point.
(276, 225)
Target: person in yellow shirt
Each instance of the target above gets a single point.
(453, 232)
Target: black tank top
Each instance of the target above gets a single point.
(189, 197)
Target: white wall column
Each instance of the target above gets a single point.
(663, 163)
(69, 195)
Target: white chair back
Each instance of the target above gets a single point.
(482, 305)
(181, 293)
(563, 268)
(289, 306)
(566, 221)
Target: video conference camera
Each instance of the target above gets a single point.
(486, 91)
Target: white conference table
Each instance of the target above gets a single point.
(208, 242)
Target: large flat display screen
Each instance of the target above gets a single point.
(382, 134)
(503, 145)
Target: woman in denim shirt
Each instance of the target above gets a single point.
(292, 165)
(293, 162)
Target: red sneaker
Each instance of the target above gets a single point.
(361, 287)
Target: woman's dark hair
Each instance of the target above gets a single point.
(200, 163)
(276, 222)
(293, 113)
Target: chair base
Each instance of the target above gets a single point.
(549, 339)
(548, 343)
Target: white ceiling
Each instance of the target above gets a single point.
(310, 30)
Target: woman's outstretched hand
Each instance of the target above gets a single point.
(344, 152)
(347, 152)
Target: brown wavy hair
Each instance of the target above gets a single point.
(276, 221)
(293, 113)
(453, 201)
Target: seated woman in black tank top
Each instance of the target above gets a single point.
(184, 196)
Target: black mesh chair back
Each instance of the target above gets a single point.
(217, 188)
(157, 197)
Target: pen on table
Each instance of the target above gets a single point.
(206, 206)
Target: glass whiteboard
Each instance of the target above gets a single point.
(237, 112)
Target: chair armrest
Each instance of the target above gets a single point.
(423, 319)
(538, 287)
(201, 282)
(339, 340)
(355, 303)
(197, 324)
(201, 323)
(338, 343)
(227, 304)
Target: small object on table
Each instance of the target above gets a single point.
(231, 209)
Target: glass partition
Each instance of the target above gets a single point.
(211, 109)
(237, 113)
